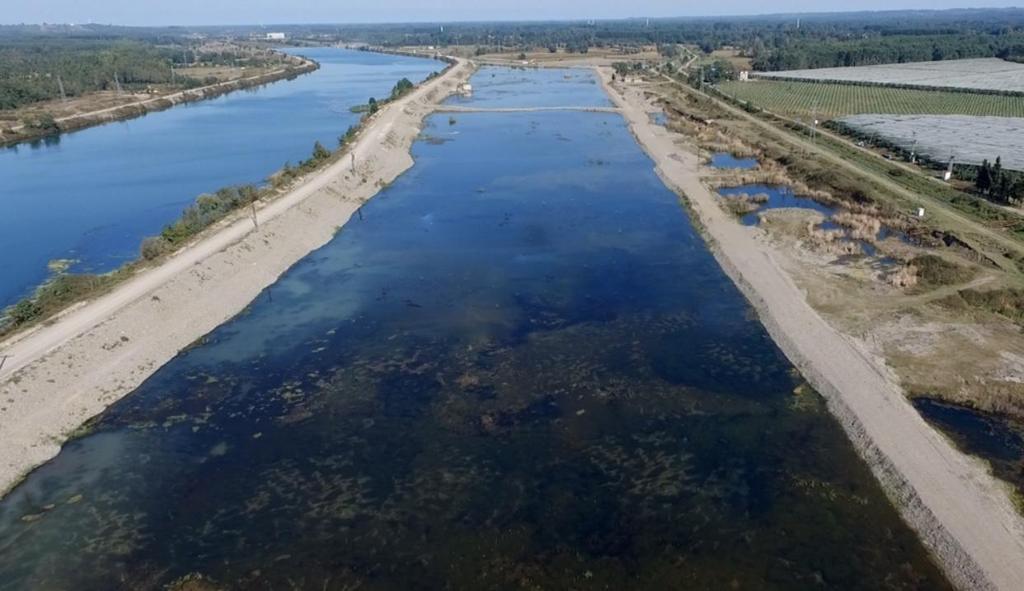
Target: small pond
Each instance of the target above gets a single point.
(727, 160)
(784, 197)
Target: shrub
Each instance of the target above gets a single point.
(24, 311)
(320, 153)
(154, 247)
(936, 271)
(1007, 302)
(210, 208)
(402, 88)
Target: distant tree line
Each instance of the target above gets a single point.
(800, 53)
(772, 42)
(37, 69)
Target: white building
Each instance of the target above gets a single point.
(275, 37)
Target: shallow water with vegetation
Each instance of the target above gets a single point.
(997, 439)
(91, 196)
(778, 197)
(497, 88)
(520, 368)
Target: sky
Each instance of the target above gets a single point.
(215, 12)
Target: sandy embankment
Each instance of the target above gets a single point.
(962, 513)
(60, 375)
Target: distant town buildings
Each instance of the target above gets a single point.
(276, 37)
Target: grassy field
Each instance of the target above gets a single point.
(801, 99)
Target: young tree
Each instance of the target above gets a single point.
(983, 182)
(1016, 191)
(373, 105)
(400, 89)
(1002, 188)
(320, 152)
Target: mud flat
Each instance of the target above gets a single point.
(57, 377)
(962, 513)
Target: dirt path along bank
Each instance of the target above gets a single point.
(58, 376)
(962, 513)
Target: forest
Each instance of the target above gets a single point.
(34, 70)
(38, 65)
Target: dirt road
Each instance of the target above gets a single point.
(963, 514)
(61, 374)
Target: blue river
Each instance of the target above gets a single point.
(93, 195)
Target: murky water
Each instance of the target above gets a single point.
(93, 195)
(521, 369)
(997, 439)
(658, 118)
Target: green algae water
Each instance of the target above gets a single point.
(520, 368)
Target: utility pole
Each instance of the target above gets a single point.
(255, 221)
(814, 123)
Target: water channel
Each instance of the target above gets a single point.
(91, 196)
(522, 368)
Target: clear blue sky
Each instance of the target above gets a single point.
(200, 12)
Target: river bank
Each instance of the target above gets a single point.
(56, 377)
(961, 512)
(21, 133)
